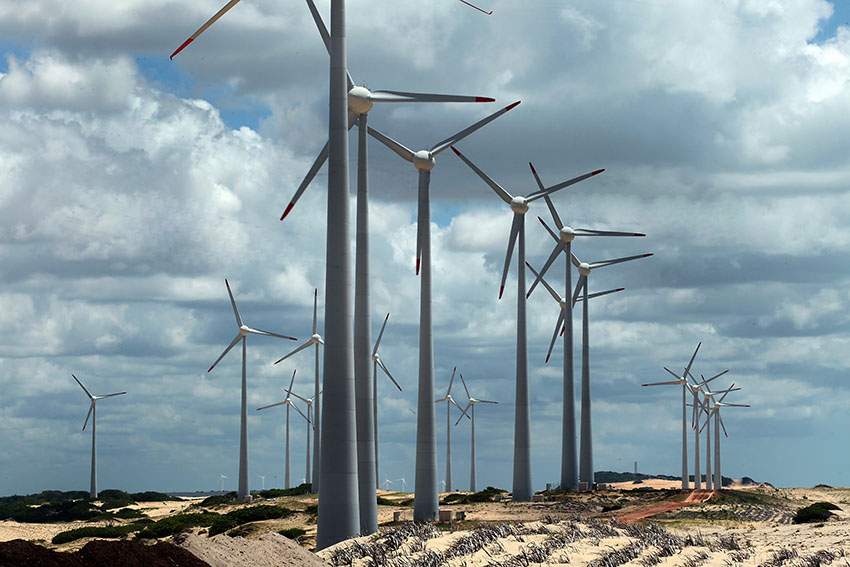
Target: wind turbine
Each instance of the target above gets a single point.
(311, 425)
(288, 403)
(471, 407)
(403, 484)
(696, 389)
(244, 492)
(93, 415)
(563, 243)
(222, 477)
(378, 363)
(703, 406)
(711, 407)
(522, 489)
(586, 444)
(315, 339)
(449, 401)
(426, 498)
(682, 381)
(387, 482)
(262, 482)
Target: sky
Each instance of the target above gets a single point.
(131, 186)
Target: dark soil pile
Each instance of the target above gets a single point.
(20, 553)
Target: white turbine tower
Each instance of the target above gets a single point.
(93, 415)
(403, 484)
(711, 407)
(426, 497)
(378, 363)
(449, 402)
(262, 482)
(222, 477)
(696, 389)
(288, 403)
(316, 340)
(586, 474)
(471, 407)
(682, 381)
(704, 406)
(563, 243)
(244, 491)
(522, 488)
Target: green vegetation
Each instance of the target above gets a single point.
(817, 512)
(486, 495)
(216, 500)
(173, 525)
(304, 488)
(58, 506)
(62, 511)
(225, 522)
(293, 533)
(107, 532)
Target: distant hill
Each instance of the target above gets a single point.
(609, 477)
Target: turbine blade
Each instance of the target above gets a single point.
(476, 7)
(511, 241)
(462, 381)
(421, 220)
(233, 303)
(299, 349)
(592, 232)
(604, 263)
(463, 413)
(601, 293)
(233, 344)
(272, 405)
(671, 382)
(451, 380)
(576, 262)
(83, 387)
(558, 324)
(315, 310)
(292, 381)
(380, 335)
(269, 334)
(311, 173)
(500, 191)
(722, 425)
(302, 398)
(88, 415)
(486, 402)
(111, 395)
(323, 30)
(204, 27)
(678, 378)
(549, 230)
(391, 144)
(387, 372)
(445, 144)
(460, 408)
(300, 412)
(539, 277)
(582, 281)
(691, 361)
(401, 96)
(717, 376)
(736, 405)
(549, 190)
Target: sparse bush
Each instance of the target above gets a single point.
(486, 495)
(225, 522)
(293, 533)
(173, 525)
(817, 512)
(106, 532)
(217, 500)
(303, 488)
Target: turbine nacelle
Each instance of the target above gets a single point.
(519, 205)
(360, 100)
(567, 234)
(584, 269)
(423, 160)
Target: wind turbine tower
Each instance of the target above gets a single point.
(471, 407)
(288, 403)
(93, 415)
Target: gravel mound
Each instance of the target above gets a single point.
(19, 553)
(269, 550)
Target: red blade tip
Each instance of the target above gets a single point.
(286, 212)
(501, 291)
(417, 266)
(648, 255)
(179, 49)
(484, 99)
(597, 172)
(532, 168)
(454, 150)
(210, 370)
(513, 105)
(639, 234)
(547, 358)
(387, 317)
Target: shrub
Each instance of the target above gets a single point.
(107, 532)
(303, 488)
(486, 495)
(217, 500)
(235, 518)
(150, 496)
(293, 533)
(817, 512)
(173, 525)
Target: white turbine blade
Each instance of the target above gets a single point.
(604, 263)
(671, 382)
(511, 242)
(574, 259)
(716, 376)
(463, 413)
(83, 387)
(401, 96)
(486, 401)
(691, 362)
(273, 405)
(678, 378)
(549, 190)
(88, 415)
(233, 344)
(582, 281)
(460, 408)
(560, 322)
(601, 293)
(300, 412)
(315, 310)
(441, 400)
(500, 191)
(462, 381)
(540, 279)
(387, 372)
(311, 173)
(476, 7)
(233, 303)
(537, 178)
(736, 405)
(392, 144)
(591, 232)
(440, 146)
(299, 349)
(451, 381)
(111, 395)
(380, 335)
(292, 381)
(302, 398)
(204, 27)
(323, 30)
(723, 425)
(269, 334)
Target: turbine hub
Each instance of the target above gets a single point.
(375, 357)
(567, 234)
(423, 160)
(519, 205)
(359, 100)
(316, 337)
(243, 330)
(584, 269)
